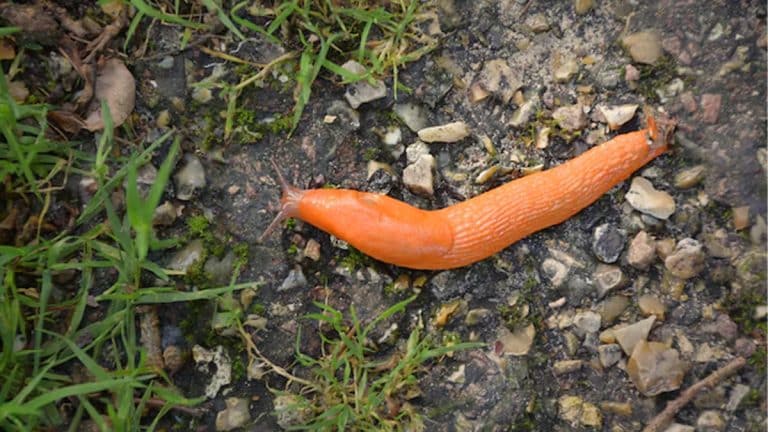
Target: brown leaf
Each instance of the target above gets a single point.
(37, 24)
(115, 85)
(67, 121)
(7, 51)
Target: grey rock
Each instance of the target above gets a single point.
(555, 271)
(571, 118)
(190, 178)
(412, 115)
(295, 279)
(608, 278)
(738, 392)
(418, 177)
(687, 260)
(362, 91)
(220, 270)
(499, 79)
(609, 354)
(631, 335)
(644, 47)
(608, 243)
(586, 322)
(347, 118)
(643, 197)
(654, 368)
(523, 114)
(235, 415)
(642, 251)
(710, 421)
(186, 256)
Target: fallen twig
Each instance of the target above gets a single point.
(665, 417)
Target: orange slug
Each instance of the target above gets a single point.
(398, 233)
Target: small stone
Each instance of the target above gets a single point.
(576, 411)
(186, 256)
(721, 243)
(235, 415)
(564, 69)
(644, 47)
(312, 250)
(190, 178)
(690, 177)
(687, 260)
(412, 115)
(537, 23)
(644, 198)
(418, 176)
(586, 322)
(415, 151)
(651, 305)
(609, 354)
(165, 214)
(740, 217)
(362, 91)
(642, 251)
(582, 6)
(665, 247)
(523, 114)
(163, 119)
(542, 138)
(612, 308)
(608, 278)
(738, 392)
(655, 368)
(555, 271)
(631, 74)
(631, 335)
(744, 347)
(220, 270)
(736, 62)
(516, 343)
(476, 316)
(710, 421)
(499, 79)
(447, 133)
(487, 174)
(202, 95)
(710, 107)
(725, 327)
(295, 279)
(291, 411)
(563, 367)
(617, 116)
(608, 243)
(689, 102)
(677, 427)
(570, 118)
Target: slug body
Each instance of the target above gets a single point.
(398, 233)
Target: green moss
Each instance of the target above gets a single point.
(238, 368)
(513, 316)
(198, 226)
(196, 274)
(293, 250)
(371, 153)
(354, 260)
(242, 252)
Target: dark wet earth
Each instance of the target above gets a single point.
(548, 307)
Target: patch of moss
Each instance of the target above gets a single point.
(354, 260)
(198, 226)
(196, 274)
(514, 316)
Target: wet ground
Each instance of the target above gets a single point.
(553, 308)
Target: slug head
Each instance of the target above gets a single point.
(289, 202)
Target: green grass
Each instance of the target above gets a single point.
(350, 386)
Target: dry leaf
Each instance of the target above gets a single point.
(7, 51)
(18, 91)
(114, 84)
(67, 121)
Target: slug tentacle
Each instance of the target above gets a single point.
(289, 202)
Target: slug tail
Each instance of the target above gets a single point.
(660, 131)
(289, 202)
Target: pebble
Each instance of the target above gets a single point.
(608, 278)
(617, 116)
(517, 343)
(725, 327)
(412, 115)
(189, 178)
(555, 271)
(687, 260)
(186, 256)
(744, 347)
(631, 74)
(295, 279)
(312, 250)
(612, 308)
(690, 177)
(537, 23)
(738, 392)
(586, 322)
(631, 335)
(165, 214)
(736, 62)
(644, 47)
(583, 6)
(291, 411)
(476, 316)
(642, 251)
(222, 366)
(343, 116)
(418, 177)
(721, 243)
(365, 90)
(655, 368)
(665, 247)
(710, 107)
(677, 427)
(564, 69)
(644, 198)
(523, 114)
(651, 305)
(608, 243)
(740, 217)
(609, 354)
(202, 95)
(577, 411)
(497, 78)
(235, 415)
(570, 118)
(542, 137)
(220, 270)
(710, 421)
(447, 133)
(689, 102)
(563, 367)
